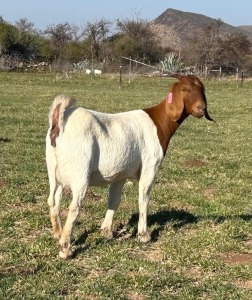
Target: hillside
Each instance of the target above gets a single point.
(246, 28)
(176, 27)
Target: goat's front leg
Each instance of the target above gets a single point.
(145, 185)
(115, 191)
(74, 208)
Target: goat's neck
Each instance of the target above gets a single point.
(165, 126)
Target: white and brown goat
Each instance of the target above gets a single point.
(85, 147)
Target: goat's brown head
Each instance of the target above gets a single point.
(187, 97)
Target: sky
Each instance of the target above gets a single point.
(78, 12)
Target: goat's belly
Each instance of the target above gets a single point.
(97, 178)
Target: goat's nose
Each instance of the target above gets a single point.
(201, 107)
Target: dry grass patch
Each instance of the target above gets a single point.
(194, 163)
(244, 284)
(233, 258)
(135, 296)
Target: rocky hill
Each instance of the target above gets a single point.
(176, 27)
(246, 28)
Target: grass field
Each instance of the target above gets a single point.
(199, 215)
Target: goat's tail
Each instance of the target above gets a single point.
(56, 115)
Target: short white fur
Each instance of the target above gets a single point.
(95, 148)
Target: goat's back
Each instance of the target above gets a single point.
(108, 146)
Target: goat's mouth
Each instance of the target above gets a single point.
(201, 113)
(198, 114)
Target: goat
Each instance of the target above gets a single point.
(85, 147)
(97, 72)
(88, 72)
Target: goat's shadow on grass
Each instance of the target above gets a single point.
(79, 243)
(5, 140)
(246, 218)
(179, 218)
(222, 219)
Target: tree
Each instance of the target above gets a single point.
(96, 34)
(8, 38)
(214, 47)
(235, 47)
(136, 39)
(204, 47)
(28, 39)
(60, 35)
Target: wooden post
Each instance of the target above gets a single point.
(129, 69)
(206, 71)
(120, 72)
(242, 77)
(92, 76)
(237, 74)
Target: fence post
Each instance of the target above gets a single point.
(120, 72)
(242, 77)
(205, 71)
(129, 69)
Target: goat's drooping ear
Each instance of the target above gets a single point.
(175, 103)
(207, 115)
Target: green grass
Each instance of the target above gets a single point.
(199, 215)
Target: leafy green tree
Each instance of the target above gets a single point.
(28, 39)
(137, 40)
(60, 35)
(76, 51)
(96, 36)
(8, 38)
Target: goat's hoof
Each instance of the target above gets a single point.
(144, 237)
(57, 235)
(65, 251)
(64, 255)
(105, 232)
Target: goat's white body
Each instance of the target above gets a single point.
(97, 72)
(105, 147)
(95, 148)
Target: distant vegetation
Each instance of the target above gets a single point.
(102, 45)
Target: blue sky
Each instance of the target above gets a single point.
(44, 12)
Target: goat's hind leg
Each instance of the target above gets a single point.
(55, 194)
(54, 205)
(74, 208)
(115, 191)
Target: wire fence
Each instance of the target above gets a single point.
(125, 67)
